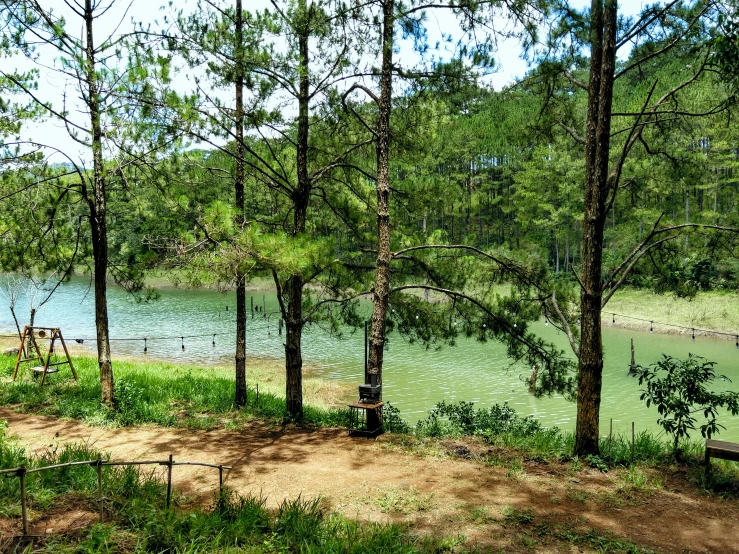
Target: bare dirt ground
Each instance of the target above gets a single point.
(443, 494)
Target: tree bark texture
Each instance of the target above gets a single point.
(293, 349)
(301, 195)
(597, 148)
(382, 275)
(98, 222)
(240, 358)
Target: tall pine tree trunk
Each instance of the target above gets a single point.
(294, 317)
(597, 146)
(382, 275)
(293, 349)
(240, 397)
(98, 224)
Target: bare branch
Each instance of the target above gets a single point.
(565, 325)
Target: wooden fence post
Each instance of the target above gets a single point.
(633, 442)
(24, 506)
(169, 480)
(99, 467)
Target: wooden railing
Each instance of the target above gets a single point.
(22, 471)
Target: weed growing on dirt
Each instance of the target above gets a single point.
(404, 500)
(596, 540)
(517, 516)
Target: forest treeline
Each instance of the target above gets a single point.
(299, 143)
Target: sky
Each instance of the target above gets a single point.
(510, 64)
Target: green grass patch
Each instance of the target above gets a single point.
(716, 310)
(600, 542)
(152, 392)
(404, 500)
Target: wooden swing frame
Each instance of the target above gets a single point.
(29, 335)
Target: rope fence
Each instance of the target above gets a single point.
(652, 323)
(22, 471)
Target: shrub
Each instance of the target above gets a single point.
(392, 420)
(680, 389)
(462, 418)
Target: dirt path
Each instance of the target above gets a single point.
(444, 495)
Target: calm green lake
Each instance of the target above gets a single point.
(414, 378)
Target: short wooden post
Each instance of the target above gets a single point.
(99, 467)
(24, 504)
(708, 465)
(633, 442)
(220, 480)
(252, 306)
(169, 480)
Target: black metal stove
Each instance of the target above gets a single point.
(371, 392)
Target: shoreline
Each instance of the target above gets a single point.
(711, 314)
(643, 327)
(265, 372)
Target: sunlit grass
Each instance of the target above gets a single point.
(161, 393)
(718, 311)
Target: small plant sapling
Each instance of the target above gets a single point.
(680, 389)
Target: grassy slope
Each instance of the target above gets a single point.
(718, 311)
(165, 394)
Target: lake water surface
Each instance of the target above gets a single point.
(414, 378)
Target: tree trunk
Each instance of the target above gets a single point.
(98, 223)
(240, 397)
(294, 312)
(382, 275)
(293, 349)
(597, 146)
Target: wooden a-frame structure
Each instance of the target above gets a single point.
(28, 342)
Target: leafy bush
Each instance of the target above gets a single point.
(392, 420)
(462, 418)
(680, 389)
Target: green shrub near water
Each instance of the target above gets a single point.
(500, 425)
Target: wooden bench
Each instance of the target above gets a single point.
(720, 449)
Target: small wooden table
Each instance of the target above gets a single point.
(720, 449)
(365, 420)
